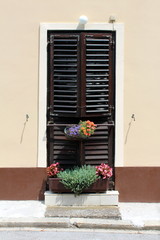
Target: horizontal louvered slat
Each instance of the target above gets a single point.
(61, 101)
(95, 81)
(97, 50)
(92, 101)
(64, 96)
(65, 71)
(97, 55)
(97, 65)
(64, 50)
(97, 85)
(98, 159)
(62, 106)
(97, 75)
(69, 40)
(62, 65)
(97, 70)
(64, 91)
(60, 55)
(97, 60)
(96, 45)
(96, 96)
(96, 152)
(70, 60)
(64, 86)
(64, 81)
(63, 76)
(64, 45)
(96, 90)
(97, 39)
(99, 106)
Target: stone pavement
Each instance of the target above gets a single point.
(131, 216)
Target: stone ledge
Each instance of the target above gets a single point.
(101, 212)
(109, 198)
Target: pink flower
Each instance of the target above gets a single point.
(104, 171)
(53, 170)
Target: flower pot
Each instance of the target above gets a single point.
(56, 186)
(73, 137)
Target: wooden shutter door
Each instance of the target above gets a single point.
(81, 87)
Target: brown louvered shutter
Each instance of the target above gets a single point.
(81, 74)
(81, 87)
(97, 73)
(64, 75)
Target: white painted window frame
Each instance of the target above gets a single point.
(119, 140)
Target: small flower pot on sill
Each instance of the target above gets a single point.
(99, 186)
(80, 131)
(74, 137)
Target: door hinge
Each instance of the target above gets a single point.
(112, 42)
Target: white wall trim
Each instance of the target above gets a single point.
(44, 27)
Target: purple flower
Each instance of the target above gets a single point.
(74, 130)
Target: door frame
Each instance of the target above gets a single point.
(119, 79)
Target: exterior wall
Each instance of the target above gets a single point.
(19, 61)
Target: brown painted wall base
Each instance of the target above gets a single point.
(22, 183)
(135, 184)
(138, 184)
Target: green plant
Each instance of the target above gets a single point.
(79, 178)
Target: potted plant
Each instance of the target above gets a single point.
(82, 130)
(79, 179)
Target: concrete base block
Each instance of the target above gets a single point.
(109, 198)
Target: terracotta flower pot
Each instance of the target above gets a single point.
(56, 186)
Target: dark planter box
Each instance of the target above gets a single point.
(56, 186)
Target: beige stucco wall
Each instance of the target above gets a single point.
(19, 57)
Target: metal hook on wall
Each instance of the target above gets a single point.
(129, 126)
(26, 120)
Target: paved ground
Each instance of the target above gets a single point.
(140, 212)
(74, 235)
(24, 209)
(32, 213)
